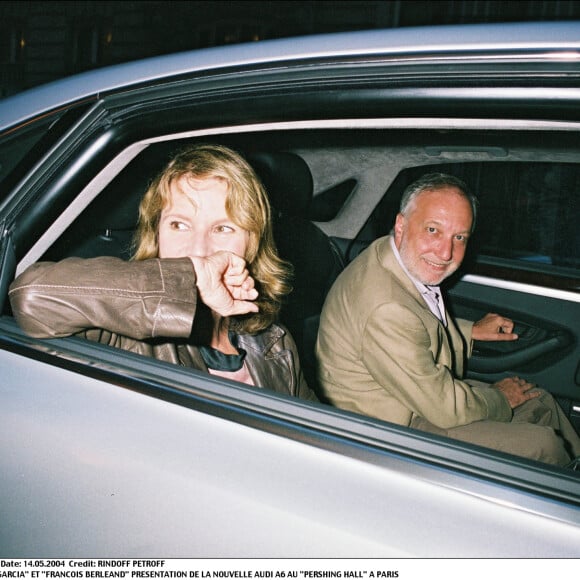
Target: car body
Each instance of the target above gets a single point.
(106, 453)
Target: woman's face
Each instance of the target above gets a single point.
(195, 222)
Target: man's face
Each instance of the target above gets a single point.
(432, 238)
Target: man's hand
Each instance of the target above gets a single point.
(493, 327)
(516, 390)
(224, 284)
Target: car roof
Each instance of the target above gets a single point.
(559, 36)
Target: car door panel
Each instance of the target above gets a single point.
(534, 344)
(539, 341)
(548, 350)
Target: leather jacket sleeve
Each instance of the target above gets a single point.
(125, 303)
(141, 299)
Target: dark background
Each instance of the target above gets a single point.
(41, 41)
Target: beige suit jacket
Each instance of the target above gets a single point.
(383, 353)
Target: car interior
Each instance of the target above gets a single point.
(335, 191)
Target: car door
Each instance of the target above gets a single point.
(525, 264)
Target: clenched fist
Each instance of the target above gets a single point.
(224, 283)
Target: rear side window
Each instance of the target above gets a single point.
(528, 212)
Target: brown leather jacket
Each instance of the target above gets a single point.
(146, 307)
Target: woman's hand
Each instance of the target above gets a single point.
(224, 283)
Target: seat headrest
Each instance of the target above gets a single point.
(287, 179)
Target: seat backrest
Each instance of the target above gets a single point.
(317, 262)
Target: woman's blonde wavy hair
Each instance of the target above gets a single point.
(247, 206)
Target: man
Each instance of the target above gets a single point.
(388, 348)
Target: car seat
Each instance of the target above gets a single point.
(316, 260)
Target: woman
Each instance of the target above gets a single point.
(203, 290)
